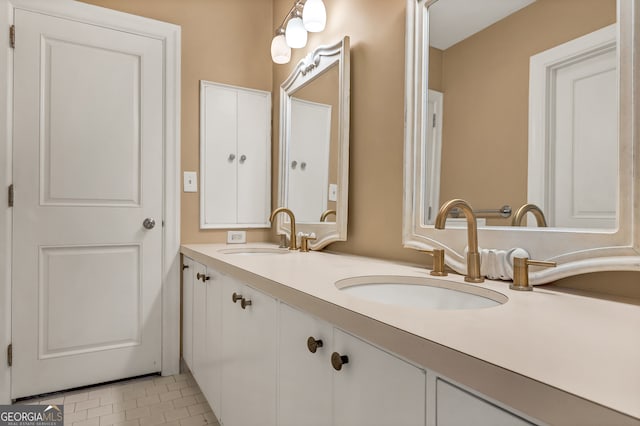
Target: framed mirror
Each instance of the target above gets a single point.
(511, 102)
(314, 144)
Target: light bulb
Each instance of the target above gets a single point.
(280, 51)
(314, 16)
(295, 33)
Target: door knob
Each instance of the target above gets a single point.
(244, 303)
(149, 223)
(337, 360)
(313, 344)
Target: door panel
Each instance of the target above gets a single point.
(88, 120)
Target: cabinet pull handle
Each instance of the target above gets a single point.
(313, 344)
(244, 303)
(185, 267)
(337, 360)
(235, 297)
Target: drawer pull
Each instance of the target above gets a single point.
(235, 297)
(337, 360)
(244, 303)
(313, 344)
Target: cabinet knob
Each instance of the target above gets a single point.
(235, 297)
(337, 360)
(243, 158)
(313, 344)
(244, 303)
(202, 277)
(231, 157)
(185, 267)
(199, 275)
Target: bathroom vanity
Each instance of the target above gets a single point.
(272, 339)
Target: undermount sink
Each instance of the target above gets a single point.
(425, 293)
(254, 250)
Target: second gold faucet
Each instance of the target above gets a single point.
(473, 256)
(293, 243)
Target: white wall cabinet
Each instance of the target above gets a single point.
(253, 358)
(235, 156)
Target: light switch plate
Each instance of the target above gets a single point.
(333, 192)
(190, 182)
(236, 237)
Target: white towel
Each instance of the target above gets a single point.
(498, 264)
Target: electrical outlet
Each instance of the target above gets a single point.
(190, 182)
(333, 192)
(236, 237)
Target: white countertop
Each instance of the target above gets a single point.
(584, 346)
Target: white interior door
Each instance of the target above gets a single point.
(573, 132)
(88, 120)
(309, 159)
(585, 187)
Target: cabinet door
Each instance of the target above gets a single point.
(249, 353)
(187, 311)
(375, 388)
(218, 153)
(210, 369)
(304, 378)
(455, 406)
(199, 320)
(254, 154)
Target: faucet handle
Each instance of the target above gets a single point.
(438, 262)
(521, 272)
(304, 241)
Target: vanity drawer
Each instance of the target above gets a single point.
(455, 407)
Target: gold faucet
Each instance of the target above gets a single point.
(326, 214)
(293, 244)
(522, 212)
(473, 257)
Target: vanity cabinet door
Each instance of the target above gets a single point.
(211, 361)
(187, 311)
(455, 406)
(199, 319)
(249, 354)
(375, 388)
(304, 378)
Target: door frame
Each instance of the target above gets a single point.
(170, 36)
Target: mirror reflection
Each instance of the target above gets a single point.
(523, 107)
(312, 147)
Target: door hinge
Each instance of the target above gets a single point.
(10, 197)
(10, 355)
(12, 36)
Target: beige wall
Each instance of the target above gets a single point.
(485, 80)
(226, 41)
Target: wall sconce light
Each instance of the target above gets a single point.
(304, 15)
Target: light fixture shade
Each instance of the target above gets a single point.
(295, 33)
(280, 51)
(314, 16)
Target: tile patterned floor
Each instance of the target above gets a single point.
(153, 400)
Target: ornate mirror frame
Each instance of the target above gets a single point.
(308, 69)
(576, 251)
